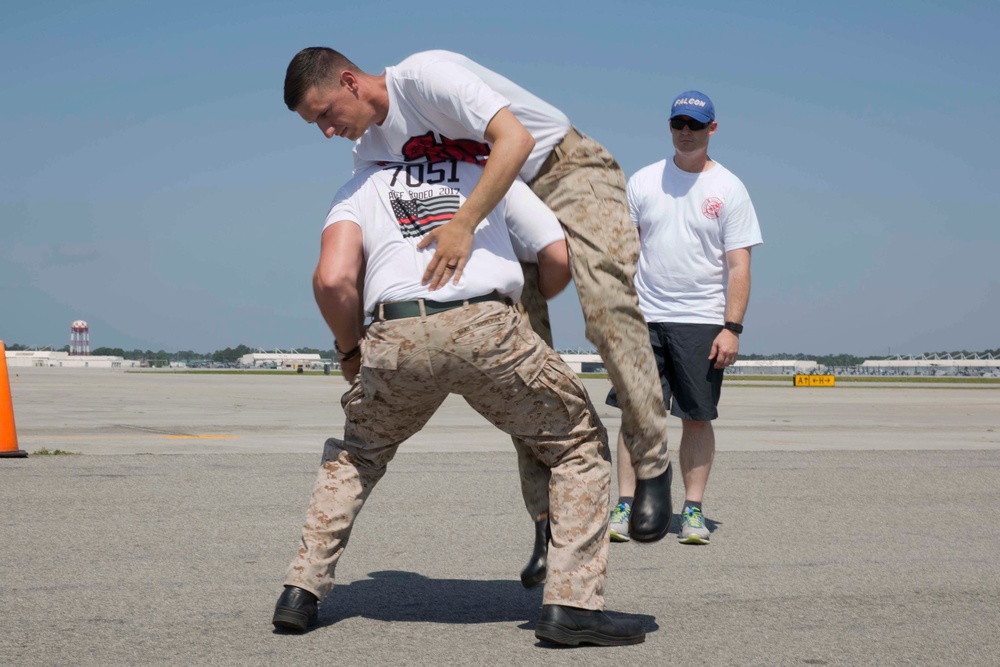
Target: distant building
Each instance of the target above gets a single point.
(277, 359)
(583, 362)
(592, 363)
(930, 365)
(773, 367)
(52, 359)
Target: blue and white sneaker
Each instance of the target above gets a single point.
(693, 528)
(620, 516)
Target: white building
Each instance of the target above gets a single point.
(52, 359)
(934, 364)
(277, 359)
(586, 363)
(772, 367)
(583, 363)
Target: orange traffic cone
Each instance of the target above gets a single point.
(8, 434)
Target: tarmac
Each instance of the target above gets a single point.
(852, 525)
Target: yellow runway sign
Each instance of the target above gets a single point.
(814, 380)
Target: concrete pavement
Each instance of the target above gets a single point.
(852, 526)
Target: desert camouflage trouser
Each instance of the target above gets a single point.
(586, 191)
(487, 353)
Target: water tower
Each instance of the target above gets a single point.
(79, 338)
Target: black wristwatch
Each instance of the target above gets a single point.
(346, 356)
(735, 327)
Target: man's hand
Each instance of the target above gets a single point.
(454, 245)
(351, 368)
(725, 347)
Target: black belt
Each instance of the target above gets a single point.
(395, 310)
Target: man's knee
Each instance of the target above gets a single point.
(695, 426)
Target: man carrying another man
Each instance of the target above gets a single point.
(438, 105)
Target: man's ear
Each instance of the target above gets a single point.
(349, 80)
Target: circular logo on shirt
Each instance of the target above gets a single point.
(712, 208)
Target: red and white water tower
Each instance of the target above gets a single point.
(79, 338)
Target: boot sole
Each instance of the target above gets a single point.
(649, 537)
(530, 581)
(557, 634)
(291, 620)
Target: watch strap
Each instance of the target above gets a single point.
(350, 354)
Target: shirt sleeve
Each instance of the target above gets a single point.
(740, 227)
(450, 89)
(531, 224)
(632, 191)
(344, 207)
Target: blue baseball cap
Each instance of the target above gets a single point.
(695, 105)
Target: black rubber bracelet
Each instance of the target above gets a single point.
(350, 354)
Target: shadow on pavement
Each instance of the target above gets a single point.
(406, 596)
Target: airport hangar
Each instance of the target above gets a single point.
(57, 359)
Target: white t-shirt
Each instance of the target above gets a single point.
(439, 106)
(687, 223)
(532, 224)
(396, 206)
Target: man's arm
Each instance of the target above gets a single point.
(553, 269)
(511, 146)
(336, 286)
(537, 238)
(727, 343)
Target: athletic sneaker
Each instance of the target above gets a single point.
(693, 529)
(620, 516)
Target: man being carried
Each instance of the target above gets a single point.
(470, 341)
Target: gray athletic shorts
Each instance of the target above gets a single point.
(686, 373)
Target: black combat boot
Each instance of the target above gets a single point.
(651, 510)
(296, 609)
(571, 626)
(534, 572)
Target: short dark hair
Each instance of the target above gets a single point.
(313, 66)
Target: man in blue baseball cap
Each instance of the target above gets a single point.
(696, 228)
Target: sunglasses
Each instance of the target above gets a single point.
(680, 123)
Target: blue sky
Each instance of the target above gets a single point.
(154, 184)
